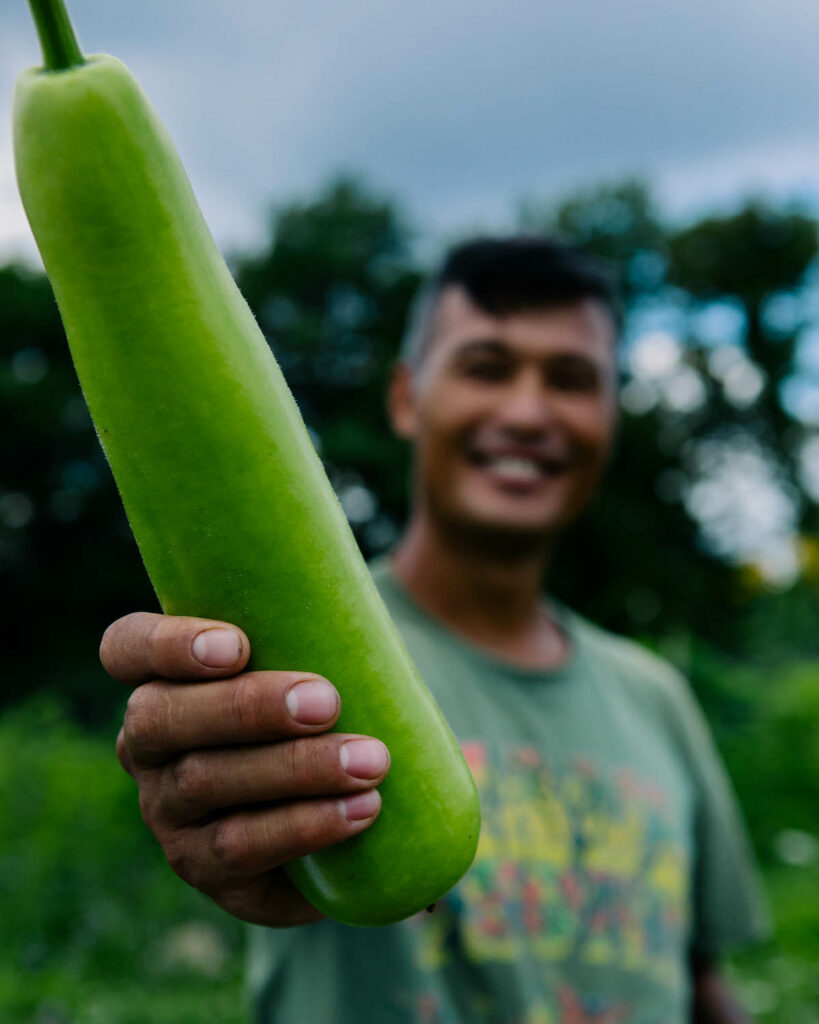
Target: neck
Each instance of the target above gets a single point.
(487, 589)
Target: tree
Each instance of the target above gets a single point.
(67, 560)
(331, 292)
(759, 259)
(705, 430)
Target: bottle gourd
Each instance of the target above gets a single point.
(228, 501)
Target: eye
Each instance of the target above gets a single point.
(574, 375)
(486, 369)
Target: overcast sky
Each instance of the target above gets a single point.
(459, 108)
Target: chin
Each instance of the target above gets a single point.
(498, 535)
(516, 514)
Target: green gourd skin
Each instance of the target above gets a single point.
(230, 506)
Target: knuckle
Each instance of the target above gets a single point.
(147, 808)
(249, 704)
(307, 762)
(144, 717)
(120, 642)
(138, 725)
(230, 844)
(192, 778)
(170, 639)
(111, 643)
(123, 754)
(303, 828)
(155, 633)
(295, 762)
(106, 645)
(184, 864)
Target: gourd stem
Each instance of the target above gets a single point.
(59, 44)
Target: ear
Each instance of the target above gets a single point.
(401, 406)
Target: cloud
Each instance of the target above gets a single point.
(460, 107)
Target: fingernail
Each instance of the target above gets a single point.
(313, 702)
(217, 647)
(360, 806)
(365, 759)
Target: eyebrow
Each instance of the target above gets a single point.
(495, 347)
(481, 346)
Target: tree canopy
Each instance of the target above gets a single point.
(707, 521)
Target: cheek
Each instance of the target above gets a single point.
(593, 430)
(447, 417)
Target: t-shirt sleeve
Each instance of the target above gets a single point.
(729, 905)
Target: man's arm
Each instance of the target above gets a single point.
(712, 1000)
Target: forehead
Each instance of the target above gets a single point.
(582, 327)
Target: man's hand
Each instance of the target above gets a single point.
(237, 773)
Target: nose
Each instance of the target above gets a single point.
(526, 407)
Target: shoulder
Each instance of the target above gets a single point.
(656, 692)
(638, 673)
(629, 660)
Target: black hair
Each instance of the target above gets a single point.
(509, 275)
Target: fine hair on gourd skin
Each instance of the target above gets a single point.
(228, 500)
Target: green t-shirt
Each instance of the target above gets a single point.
(611, 848)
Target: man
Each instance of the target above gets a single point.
(612, 868)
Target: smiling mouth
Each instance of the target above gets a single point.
(519, 469)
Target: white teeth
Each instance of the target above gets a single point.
(514, 468)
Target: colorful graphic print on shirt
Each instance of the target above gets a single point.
(577, 867)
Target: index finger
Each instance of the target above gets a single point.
(144, 646)
(163, 719)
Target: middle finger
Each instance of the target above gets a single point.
(203, 781)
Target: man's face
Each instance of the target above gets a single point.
(513, 417)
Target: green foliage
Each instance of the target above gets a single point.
(331, 292)
(750, 254)
(758, 257)
(765, 718)
(641, 561)
(66, 555)
(103, 931)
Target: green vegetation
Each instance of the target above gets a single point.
(766, 723)
(97, 928)
(102, 930)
